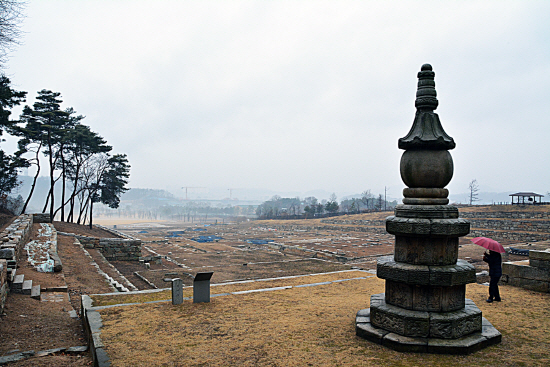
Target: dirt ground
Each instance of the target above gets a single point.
(37, 325)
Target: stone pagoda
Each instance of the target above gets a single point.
(424, 307)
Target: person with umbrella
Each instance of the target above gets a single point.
(494, 259)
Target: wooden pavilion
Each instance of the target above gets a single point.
(529, 198)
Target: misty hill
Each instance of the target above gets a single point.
(137, 194)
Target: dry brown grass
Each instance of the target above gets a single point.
(308, 326)
(121, 298)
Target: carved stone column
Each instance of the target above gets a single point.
(424, 307)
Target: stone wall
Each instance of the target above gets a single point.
(120, 249)
(12, 239)
(506, 215)
(533, 275)
(520, 226)
(3, 283)
(508, 235)
(512, 225)
(112, 248)
(41, 218)
(356, 222)
(314, 228)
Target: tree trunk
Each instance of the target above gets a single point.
(33, 183)
(52, 181)
(91, 212)
(83, 208)
(62, 187)
(70, 216)
(47, 201)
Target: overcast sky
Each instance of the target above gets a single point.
(297, 95)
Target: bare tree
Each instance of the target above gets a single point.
(367, 198)
(379, 204)
(473, 187)
(11, 15)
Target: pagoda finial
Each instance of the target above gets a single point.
(426, 95)
(426, 132)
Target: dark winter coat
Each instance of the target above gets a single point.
(495, 263)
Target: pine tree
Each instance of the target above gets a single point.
(47, 123)
(9, 165)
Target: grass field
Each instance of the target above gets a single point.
(306, 326)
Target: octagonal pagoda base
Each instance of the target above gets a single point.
(473, 342)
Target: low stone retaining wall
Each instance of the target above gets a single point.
(115, 232)
(41, 218)
(512, 225)
(112, 248)
(533, 275)
(42, 252)
(12, 240)
(3, 283)
(356, 222)
(120, 249)
(512, 236)
(501, 225)
(379, 230)
(521, 226)
(506, 215)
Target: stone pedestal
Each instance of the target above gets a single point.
(424, 308)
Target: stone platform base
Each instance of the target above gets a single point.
(465, 345)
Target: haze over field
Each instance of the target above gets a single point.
(293, 96)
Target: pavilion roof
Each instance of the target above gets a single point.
(524, 194)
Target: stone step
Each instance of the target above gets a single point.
(11, 274)
(35, 292)
(61, 288)
(27, 287)
(17, 284)
(7, 253)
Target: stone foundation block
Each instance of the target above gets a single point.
(445, 276)
(388, 268)
(403, 343)
(525, 272)
(539, 255)
(426, 251)
(398, 320)
(426, 211)
(7, 253)
(489, 331)
(456, 324)
(465, 345)
(541, 264)
(487, 336)
(425, 298)
(460, 273)
(454, 227)
(41, 218)
(533, 285)
(410, 323)
(512, 270)
(530, 272)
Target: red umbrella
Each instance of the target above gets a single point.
(489, 244)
